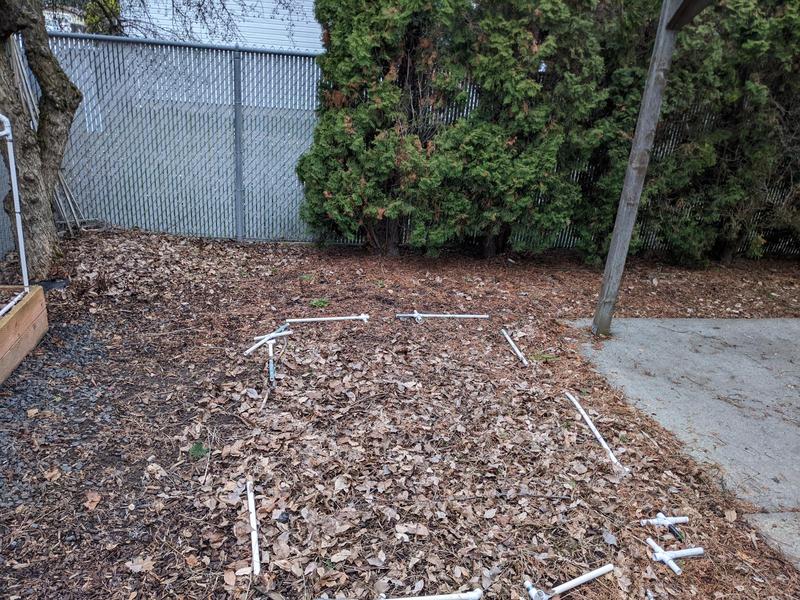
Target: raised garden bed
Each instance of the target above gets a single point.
(21, 328)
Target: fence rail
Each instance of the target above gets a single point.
(203, 140)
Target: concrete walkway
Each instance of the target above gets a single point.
(730, 390)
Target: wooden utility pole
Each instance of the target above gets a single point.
(674, 15)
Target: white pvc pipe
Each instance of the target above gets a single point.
(595, 432)
(475, 594)
(5, 132)
(12, 302)
(361, 317)
(663, 521)
(514, 347)
(660, 556)
(264, 339)
(274, 334)
(418, 317)
(686, 552)
(667, 557)
(535, 594)
(251, 507)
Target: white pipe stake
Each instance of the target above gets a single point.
(361, 317)
(663, 521)
(595, 432)
(514, 347)
(535, 594)
(418, 316)
(251, 506)
(271, 366)
(475, 594)
(667, 556)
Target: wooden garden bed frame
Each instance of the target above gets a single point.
(21, 328)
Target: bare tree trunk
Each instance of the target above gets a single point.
(393, 237)
(39, 153)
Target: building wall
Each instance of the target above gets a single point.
(259, 24)
(68, 20)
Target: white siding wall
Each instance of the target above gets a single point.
(260, 24)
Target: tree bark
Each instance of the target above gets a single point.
(636, 171)
(39, 153)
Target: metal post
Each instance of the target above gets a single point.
(238, 190)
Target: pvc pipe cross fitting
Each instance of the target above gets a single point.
(668, 556)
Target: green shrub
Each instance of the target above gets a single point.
(553, 88)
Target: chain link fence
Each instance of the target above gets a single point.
(189, 139)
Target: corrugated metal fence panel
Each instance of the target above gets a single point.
(279, 97)
(152, 143)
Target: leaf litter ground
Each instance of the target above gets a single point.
(391, 458)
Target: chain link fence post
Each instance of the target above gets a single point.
(238, 189)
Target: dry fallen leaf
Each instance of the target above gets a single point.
(140, 564)
(609, 538)
(340, 556)
(53, 474)
(230, 578)
(92, 500)
(192, 560)
(730, 516)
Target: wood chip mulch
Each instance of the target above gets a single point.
(392, 457)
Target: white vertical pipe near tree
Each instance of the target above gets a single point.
(596, 432)
(6, 133)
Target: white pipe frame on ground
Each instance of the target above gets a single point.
(251, 508)
(536, 594)
(596, 433)
(5, 132)
(668, 556)
(419, 317)
(265, 339)
(475, 594)
(361, 317)
(514, 347)
(663, 521)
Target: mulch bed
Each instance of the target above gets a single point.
(392, 457)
